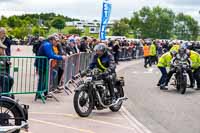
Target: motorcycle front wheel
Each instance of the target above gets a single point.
(183, 85)
(83, 103)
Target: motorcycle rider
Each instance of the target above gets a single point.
(104, 61)
(164, 62)
(182, 53)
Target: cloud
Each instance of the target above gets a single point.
(185, 2)
(91, 9)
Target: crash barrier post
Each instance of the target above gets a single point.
(18, 75)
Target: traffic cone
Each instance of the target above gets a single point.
(18, 49)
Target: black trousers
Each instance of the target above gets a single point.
(196, 75)
(110, 80)
(116, 56)
(60, 73)
(146, 61)
(153, 60)
(6, 83)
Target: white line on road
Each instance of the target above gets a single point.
(134, 122)
(62, 126)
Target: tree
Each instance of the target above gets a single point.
(36, 31)
(14, 22)
(153, 23)
(75, 31)
(186, 28)
(120, 28)
(19, 33)
(3, 21)
(58, 23)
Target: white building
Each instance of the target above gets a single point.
(94, 26)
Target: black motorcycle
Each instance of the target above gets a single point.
(93, 93)
(181, 66)
(13, 116)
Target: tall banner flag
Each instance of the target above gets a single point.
(106, 11)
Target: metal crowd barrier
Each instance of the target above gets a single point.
(130, 53)
(18, 75)
(76, 63)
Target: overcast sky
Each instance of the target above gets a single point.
(91, 9)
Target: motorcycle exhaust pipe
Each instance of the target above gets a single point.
(113, 104)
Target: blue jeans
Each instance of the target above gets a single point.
(163, 77)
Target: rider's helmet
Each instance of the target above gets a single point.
(182, 51)
(100, 49)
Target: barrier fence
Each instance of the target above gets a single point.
(18, 75)
(127, 53)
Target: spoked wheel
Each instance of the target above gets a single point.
(83, 103)
(9, 115)
(183, 85)
(119, 93)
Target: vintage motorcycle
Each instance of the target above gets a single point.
(13, 116)
(92, 93)
(181, 66)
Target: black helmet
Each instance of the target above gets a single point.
(182, 51)
(101, 47)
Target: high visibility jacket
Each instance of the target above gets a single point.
(175, 48)
(153, 50)
(146, 50)
(164, 60)
(103, 63)
(195, 58)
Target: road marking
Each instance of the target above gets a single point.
(135, 72)
(88, 119)
(72, 115)
(134, 122)
(130, 118)
(62, 126)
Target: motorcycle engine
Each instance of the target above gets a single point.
(104, 93)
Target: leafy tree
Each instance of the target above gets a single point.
(186, 28)
(75, 31)
(58, 23)
(19, 33)
(14, 21)
(120, 28)
(3, 21)
(153, 23)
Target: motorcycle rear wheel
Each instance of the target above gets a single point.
(119, 94)
(10, 115)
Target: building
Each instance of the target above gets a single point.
(94, 25)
